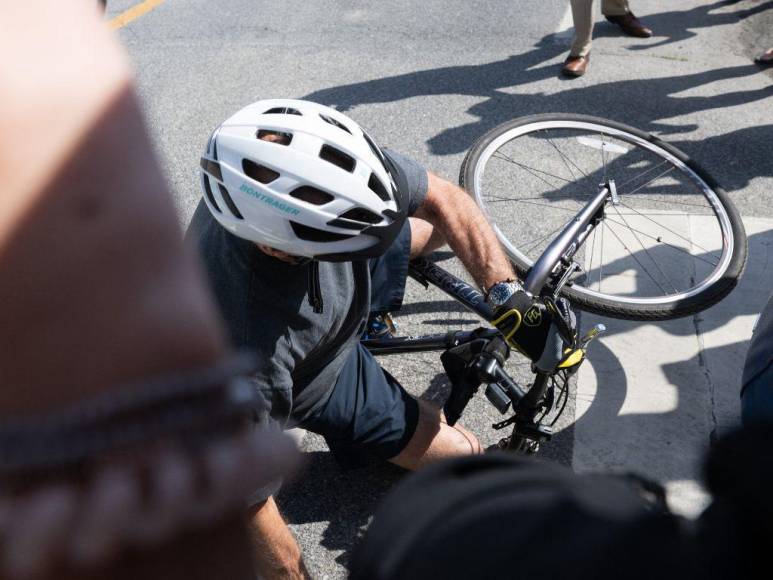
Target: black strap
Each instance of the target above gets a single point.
(315, 292)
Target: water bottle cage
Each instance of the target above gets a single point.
(509, 330)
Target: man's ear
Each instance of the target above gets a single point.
(278, 254)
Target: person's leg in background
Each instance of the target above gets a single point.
(579, 55)
(615, 7)
(766, 58)
(619, 12)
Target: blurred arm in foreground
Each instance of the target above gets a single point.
(97, 290)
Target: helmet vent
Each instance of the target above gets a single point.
(335, 123)
(310, 234)
(337, 157)
(278, 137)
(375, 185)
(259, 173)
(359, 214)
(212, 167)
(208, 192)
(283, 111)
(372, 145)
(229, 202)
(311, 195)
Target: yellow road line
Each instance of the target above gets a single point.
(133, 13)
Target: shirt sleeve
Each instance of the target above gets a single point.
(251, 325)
(273, 381)
(416, 177)
(265, 423)
(759, 357)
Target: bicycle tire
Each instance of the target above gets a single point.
(734, 257)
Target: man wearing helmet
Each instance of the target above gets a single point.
(305, 227)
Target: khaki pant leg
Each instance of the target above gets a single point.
(582, 15)
(614, 7)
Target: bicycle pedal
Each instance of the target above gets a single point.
(532, 447)
(536, 433)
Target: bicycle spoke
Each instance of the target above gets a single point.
(551, 198)
(670, 201)
(666, 172)
(646, 251)
(532, 246)
(566, 159)
(532, 170)
(660, 240)
(692, 243)
(665, 213)
(636, 259)
(501, 199)
(621, 185)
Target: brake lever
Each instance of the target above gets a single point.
(564, 280)
(564, 328)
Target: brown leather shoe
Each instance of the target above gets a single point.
(630, 25)
(766, 58)
(575, 66)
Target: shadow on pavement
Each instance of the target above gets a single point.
(735, 158)
(707, 384)
(678, 25)
(343, 501)
(656, 99)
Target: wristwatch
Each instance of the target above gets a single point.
(501, 292)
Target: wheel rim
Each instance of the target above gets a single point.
(640, 144)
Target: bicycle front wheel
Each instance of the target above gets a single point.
(671, 243)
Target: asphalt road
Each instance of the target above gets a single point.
(427, 78)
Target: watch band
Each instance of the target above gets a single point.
(501, 292)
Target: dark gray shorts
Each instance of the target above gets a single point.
(369, 415)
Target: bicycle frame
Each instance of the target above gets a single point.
(551, 271)
(545, 274)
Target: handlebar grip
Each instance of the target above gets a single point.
(497, 348)
(461, 393)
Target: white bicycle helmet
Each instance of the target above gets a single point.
(304, 179)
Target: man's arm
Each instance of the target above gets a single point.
(453, 213)
(277, 554)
